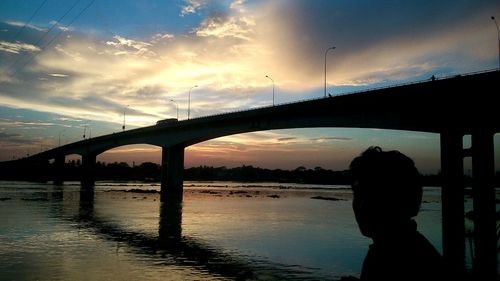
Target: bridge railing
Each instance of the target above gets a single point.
(348, 93)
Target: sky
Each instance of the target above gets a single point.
(70, 69)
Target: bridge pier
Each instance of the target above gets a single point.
(485, 240)
(88, 170)
(172, 173)
(59, 161)
(452, 198)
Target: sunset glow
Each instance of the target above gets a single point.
(137, 60)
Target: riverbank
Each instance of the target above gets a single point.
(151, 172)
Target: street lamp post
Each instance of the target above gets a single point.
(189, 100)
(331, 48)
(60, 136)
(177, 106)
(85, 127)
(498, 34)
(273, 86)
(124, 110)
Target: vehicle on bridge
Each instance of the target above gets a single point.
(166, 121)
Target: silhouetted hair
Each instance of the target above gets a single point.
(389, 179)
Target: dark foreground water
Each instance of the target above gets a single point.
(222, 231)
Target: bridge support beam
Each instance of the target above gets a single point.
(483, 169)
(452, 198)
(88, 170)
(59, 169)
(172, 173)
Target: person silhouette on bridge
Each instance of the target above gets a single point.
(386, 196)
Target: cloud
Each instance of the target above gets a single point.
(287, 139)
(192, 6)
(17, 123)
(159, 37)
(288, 151)
(66, 119)
(323, 139)
(4, 136)
(134, 149)
(21, 24)
(58, 75)
(16, 48)
(14, 139)
(411, 40)
(59, 26)
(125, 45)
(231, 50)
(238, 5)
(214, 6)
(220, 27)
(280, 140)
(28, 125)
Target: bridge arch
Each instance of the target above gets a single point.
(275, 147)
(129, 153)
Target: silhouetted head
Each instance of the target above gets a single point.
(387, 190)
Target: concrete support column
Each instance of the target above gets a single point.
(164, 163)
(172, 173)
(483, 167)
(88, 170)
(452, 198)
(59, 169)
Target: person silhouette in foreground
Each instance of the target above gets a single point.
(386, 196)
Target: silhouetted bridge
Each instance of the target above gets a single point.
(452, 107)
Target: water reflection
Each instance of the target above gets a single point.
(218, 233)
(86, 206)
(170, 222)
(171, 247)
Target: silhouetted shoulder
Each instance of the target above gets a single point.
(409, 258)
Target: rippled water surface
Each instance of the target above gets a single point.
(222, 231)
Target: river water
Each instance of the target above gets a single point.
(222, 231)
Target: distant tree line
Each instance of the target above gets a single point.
(301, 174)
(147, 171)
